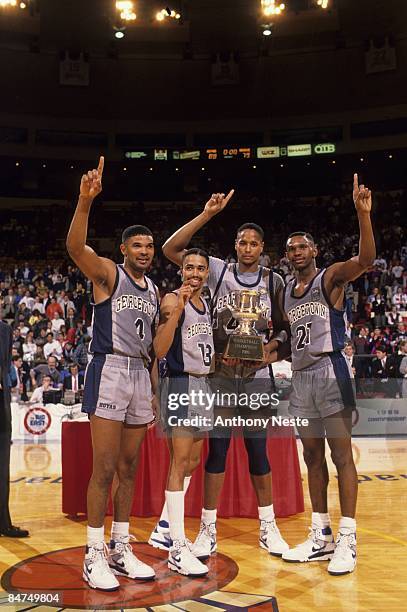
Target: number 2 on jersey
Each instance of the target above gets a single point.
(303, 335)
(139, 323)
(206, 351)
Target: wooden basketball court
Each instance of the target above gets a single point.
(242, 576)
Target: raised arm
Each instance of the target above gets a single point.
(100, 270)
(175, 246)
(343, 272)
(171, 309)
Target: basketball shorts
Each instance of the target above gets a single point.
(184, 402)
(118, 388)
(323, 389)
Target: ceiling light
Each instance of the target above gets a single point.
(126, 9)
(272, 7)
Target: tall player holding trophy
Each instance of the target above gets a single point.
(228, 284)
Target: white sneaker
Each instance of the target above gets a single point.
(123, 562)
(181, 560)
(160, 536)
(205, 544)
(96, 570)
(320, 546)
(271, 539)
(344, 557)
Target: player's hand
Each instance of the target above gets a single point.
(155, 405)
(362, 196)
(231, 363)
(91, 183)
(217, 203)
(184, 295)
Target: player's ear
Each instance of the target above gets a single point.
(123, 249)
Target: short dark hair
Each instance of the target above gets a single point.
(305, 234)
(252, 226)
(16, 357)
(196, 251)
(382, 348)
(136, 230)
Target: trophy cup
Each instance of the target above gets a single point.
(244, 342)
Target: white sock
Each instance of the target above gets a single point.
(120, 531)
(95, 535)
(175, 505)
(164, 513)
(321, 519)
(266, 513)
(208, 516)
(164, 516)
(347, 524)
(187, 481)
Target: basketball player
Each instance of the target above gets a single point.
(223, 281)
(184, 338)
(117, 394)
(322, 387)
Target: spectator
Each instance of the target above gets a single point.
(29, 348)
(385, 371)
(66, 305)
(379, 310)
(37, 394)
(75, 380)
(52, 347)
(57, 323)
(52, 308)
(81, 353)
(50, 369)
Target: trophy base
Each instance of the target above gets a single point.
(245, 347)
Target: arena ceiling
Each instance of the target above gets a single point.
(206, 25)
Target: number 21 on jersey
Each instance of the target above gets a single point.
(303, 336)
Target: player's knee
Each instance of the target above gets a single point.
(193, 463)
(218, 451)
(180, 464)
(257, 455)
(103, 473)
(341, 457)
(314, 458)
(126, 470)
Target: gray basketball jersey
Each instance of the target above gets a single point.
(224, 282)
(192, 349)
(317, 328)
(123, 323)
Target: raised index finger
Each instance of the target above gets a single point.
(230, 194)
(101, 165)
(355, 181)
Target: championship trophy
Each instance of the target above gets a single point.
(244, 342)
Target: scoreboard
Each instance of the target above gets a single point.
(232, 152)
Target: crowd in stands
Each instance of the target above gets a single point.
(49, 306)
